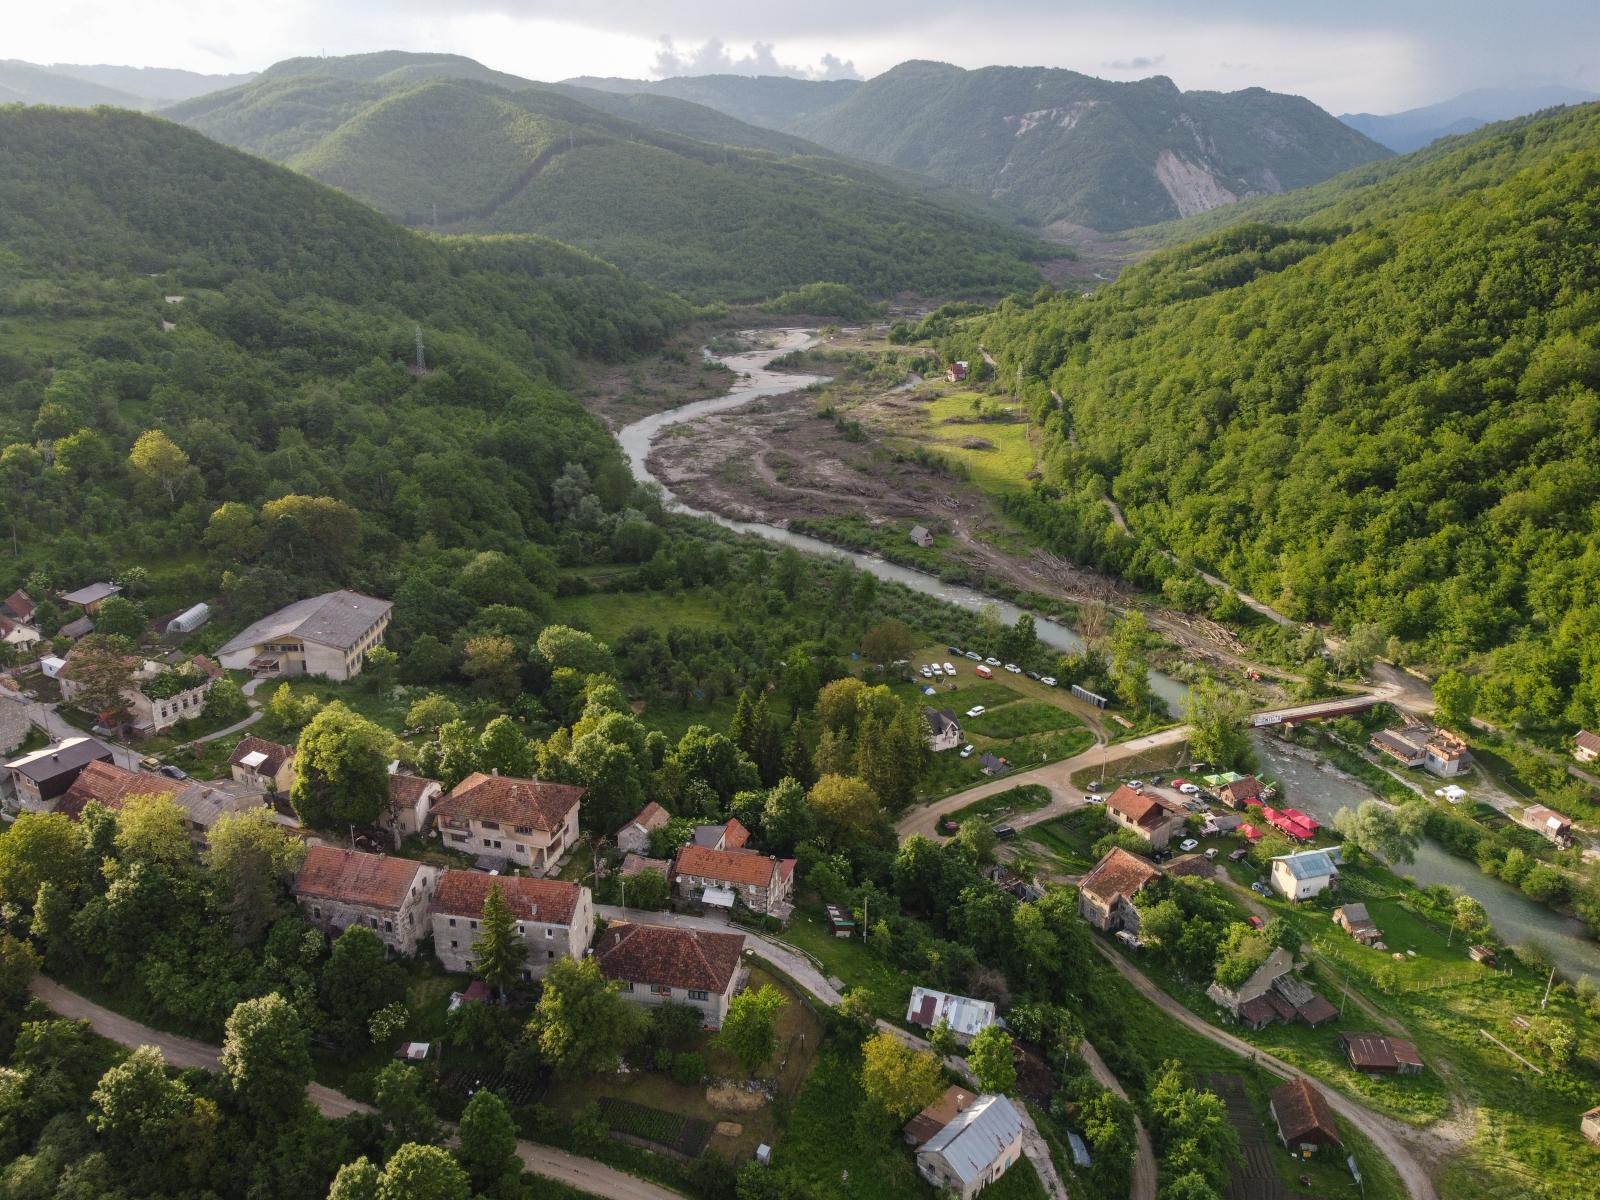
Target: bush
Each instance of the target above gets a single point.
(688, 1069)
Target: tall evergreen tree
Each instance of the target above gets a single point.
(797, 763)
(500, 950)
(766, 743)
(740, 729)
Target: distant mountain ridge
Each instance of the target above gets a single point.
(1053, 144)
(1415, 128)
(78, 86)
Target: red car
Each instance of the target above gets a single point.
(1256, 923)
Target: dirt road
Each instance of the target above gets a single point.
(582, 1173)
(1384, 1133)
(1142, 1186)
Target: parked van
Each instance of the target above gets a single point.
(983, 672)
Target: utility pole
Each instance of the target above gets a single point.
(1548, 984)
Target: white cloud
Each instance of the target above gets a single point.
(712, 57)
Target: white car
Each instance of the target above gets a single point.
(1187, 844)
(1211, 854)
(949, 669)
(1014, 669)
(1136, 784)
(977, 710)
(1188, 789)
(927, 672)
(1049, 681)
(993, 662)
(966, 751)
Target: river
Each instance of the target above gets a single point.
(756, 380)
(1315, 788)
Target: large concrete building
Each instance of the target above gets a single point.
(325, 635)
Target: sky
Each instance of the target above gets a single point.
(1346, 55)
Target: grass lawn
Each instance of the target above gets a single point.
(609, 615)
(997, 454)
(674, 720)
(1069, 839)
(1159, 760)
(799, 1033)
(1021, 1182)
(1016, 720)
(428, 988)
(853, 962)
(1024, 798)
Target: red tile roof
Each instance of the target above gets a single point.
(1119, 873)
(111, 785)
(662, 954)
(1588, 741)
(510, 801)
(462, 893)
(354, 877)
(734, 835)
(277, 754)
(407, 789)
(1303, 1114)
(1143, 811)
(727, 866)
(19, 605)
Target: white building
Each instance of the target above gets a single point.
(967, 1017)
(944, 730)
(981, 1144)
(325, 635)
(1304, 874)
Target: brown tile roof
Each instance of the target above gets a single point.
(939, 1114)
(111, 785)
(1588, 741)
(1119, 873)
(510, 801)
(662, 954)
(1192, 864)
(18, 605)
(462, 893)
(651, 816)
(727, 866)
(1143, 811)
(1240, 790)
(407, 789)
(632, 864)
(734, 835)
(355, 877)
(1303, 1113)
(277, 754)
(1373, 1052)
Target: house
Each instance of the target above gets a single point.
(41, 778)
(1305, 873)
(922, 1127)
(956, 372)
(1105, 894)
(944, 731)
(411, 800)
(1354, 920)
(1305, 1122)
(662, 964)
(731, 835)
(263, 765)
(1446, 755)
(1144, 816)
(1380, 1055)
(636, 864)
(921, 536)
(111, 785)
(90, 598)
(717, 877)
(19, 607)
(978, 1146)
(325, 635)
(76, 630)
(1237, 793)
(991, 764)
(338, 888)
(156, 697)
(967, 1017)
(20, 637)
(51, 666)
(1547, 823)
(1419, 745)
(634, 837)
(1591, 1125)
(524, 823)
(1586, 746)
(554, 919)
(1278, 964)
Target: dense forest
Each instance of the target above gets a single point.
(743, 214)
(1385, 414)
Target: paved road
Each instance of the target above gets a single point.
(582, 1173)
(1142, 1185)
(1383, 1133)
(56, 727)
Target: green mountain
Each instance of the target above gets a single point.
(712, 221)
(293, 313)
(80, 86)
(1061, 146)
(1417, 127)
(1388, 413)
(27, 83)
(774, 101)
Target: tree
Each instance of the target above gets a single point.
(103, 667)
(846, 811)
(504, 748)
(358, 1180)
(19, 963)
(252, 857)
(1553, 1039)
(648, 889)
(992, 1061)
(1130, 660)
(266, 1058)
(563, 646)
(159, 465)
(39, 847)
(581, 1025)
(120, 617)
(499, 949)
(1470, 917)
(153, 1126)
(379, 669)
(1017, 642)
(1220, 721)
(428, 660)
(432, 711)
(1383, 831)
(232, 530)
(1241, 951)
(899, 1080)
(855, 1016)
(153, 829)
(750, 1029)
(423, 1173)
(357, 981)
(341, 771)
(1455, 700)
(887, 642)
(492, 663)
(488, 1144)
(398, 1095)
(226, 703)
(315, 527)
(943, 1039)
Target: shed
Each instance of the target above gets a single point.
(1305, 1122)
(921, 536)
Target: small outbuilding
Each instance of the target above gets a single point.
(1305, 1122)
(1379, 1055)
(921, 536)
(1354, 920)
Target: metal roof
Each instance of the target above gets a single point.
(966, 1015)
(1309, 864)
(979, 1135)
(336, 619)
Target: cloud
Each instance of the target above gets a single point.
(1140, 62)
(712, 57)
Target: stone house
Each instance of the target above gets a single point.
(111, 785)
(555, 919)
(1105, 894)
(156, 697)
(337, 888)
(663, 964)
(524, 823)
(981, 1143)
(634, 837)
(410, 803)
(717, 877)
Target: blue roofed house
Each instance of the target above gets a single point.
(1305, 874)
(978, 1146)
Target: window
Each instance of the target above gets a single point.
(316, 911)
(697, 994)
(550, 954)
(388, 926)
(627, 986)
(458, 837)
(524, 828)
(490, 824)
(549, 935)
(519, 927)
(452, 943)
(452, 926)
(661, 989)
(473, 924)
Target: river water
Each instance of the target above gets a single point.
(756, 381)
(1314, 788)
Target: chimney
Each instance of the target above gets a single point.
(495, 771)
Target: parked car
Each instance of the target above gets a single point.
(1034, 675)
(1136, 784)
(1048, 681)
(954, 651)
(172, 772)
(983, 672)
(1094, 785)
(977, 710)
(966, 751)
(1161, 856)
(993, 662)
(1259, 888)
(1211, 854)
(973, 655)
(1129, 940)
(951, 826)
(1238, 855)
(1093, 799)
(1004, 832)
(1256, 922)
(927, 672)
(1188, 789)
(1187, 845)
(949, 669)
(1014, 669)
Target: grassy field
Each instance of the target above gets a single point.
(851, 961)
(609, 615)
(953, 430)
(1018, 720)
(1024, 798)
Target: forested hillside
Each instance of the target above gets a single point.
(197, 329)
(775, 101)
(1389, 414)
(712, 221)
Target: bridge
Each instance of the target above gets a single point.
(1320, 711)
